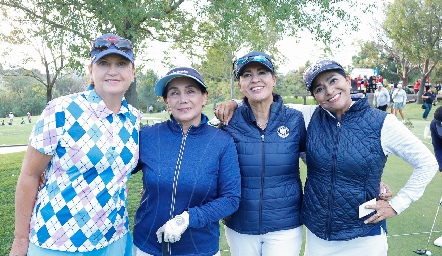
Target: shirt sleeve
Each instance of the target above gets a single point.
(398, 140)
(229, 191)
(48, 129)
(306, 110)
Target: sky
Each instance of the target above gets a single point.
(296, 51)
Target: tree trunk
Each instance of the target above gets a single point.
(48, 93)
(423, 82)
(131, 94)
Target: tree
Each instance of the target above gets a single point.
(141, 21)
(69, 84)
(415, 28)
(20, 95)
(146, 95)
(48, 44)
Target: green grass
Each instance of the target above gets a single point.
(407, 231)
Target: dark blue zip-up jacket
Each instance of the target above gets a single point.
(206, 164)
(271, 190)
(345, 162)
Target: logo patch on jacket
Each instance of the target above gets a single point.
(283, 131)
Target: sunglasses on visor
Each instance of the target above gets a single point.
(259, 58)
(102, 44)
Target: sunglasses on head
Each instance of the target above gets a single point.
(102, 44)
(259, 58)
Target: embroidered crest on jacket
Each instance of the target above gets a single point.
(283, 131)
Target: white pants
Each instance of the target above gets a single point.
(137, 252)
(361, 246)
(281, 243)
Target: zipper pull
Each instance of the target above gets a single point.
(339, 124)
(262, 137)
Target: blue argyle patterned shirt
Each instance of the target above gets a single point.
(82, 205)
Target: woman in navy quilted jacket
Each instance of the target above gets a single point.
(346, 150)
(269, 138)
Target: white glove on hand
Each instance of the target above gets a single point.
(174, 228)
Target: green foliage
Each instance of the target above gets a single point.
(146, 94)
(20, 95)
(195, 27)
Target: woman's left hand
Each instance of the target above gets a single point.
(383, 211)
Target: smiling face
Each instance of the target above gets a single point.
(112, 75)
(256, 83)
(332, 91)
(185, 100)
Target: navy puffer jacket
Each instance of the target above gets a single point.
(271, 190)
(345, 161)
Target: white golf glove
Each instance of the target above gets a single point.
(174, 228)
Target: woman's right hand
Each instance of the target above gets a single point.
(224, 111)
(19, 247)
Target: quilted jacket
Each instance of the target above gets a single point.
(271, 190)
(345, 162)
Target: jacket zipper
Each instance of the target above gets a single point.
(333, 173)
(175, 182)
(261, 195)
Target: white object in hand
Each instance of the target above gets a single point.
(174, 228)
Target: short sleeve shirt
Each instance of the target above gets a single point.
(82, 205)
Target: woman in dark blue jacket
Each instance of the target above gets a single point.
(269, 138)
(190, 174)
(346, 150)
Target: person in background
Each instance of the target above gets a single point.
(191, 175)
(399, 98)
(269, 138)
(438, 87)
(335, 187)
(380, 79)
(85, 145)
(381, 98)
(436, 140)
(390, 93)
(416, 86)
(11, 118)
(371, 83)
(429, 98)
(29, 117)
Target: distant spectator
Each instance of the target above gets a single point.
(429, 97)
(11, 118)
(370, 82)
(390, 93)
(380, 80)
(29, 117)
(22, 121)
(400, 99)
(381, 98)
(438, 87)
(416, 86)
(3, 122)
(150, 109)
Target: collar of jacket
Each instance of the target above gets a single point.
(275, 110)
(357, 106)
(176, 127)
